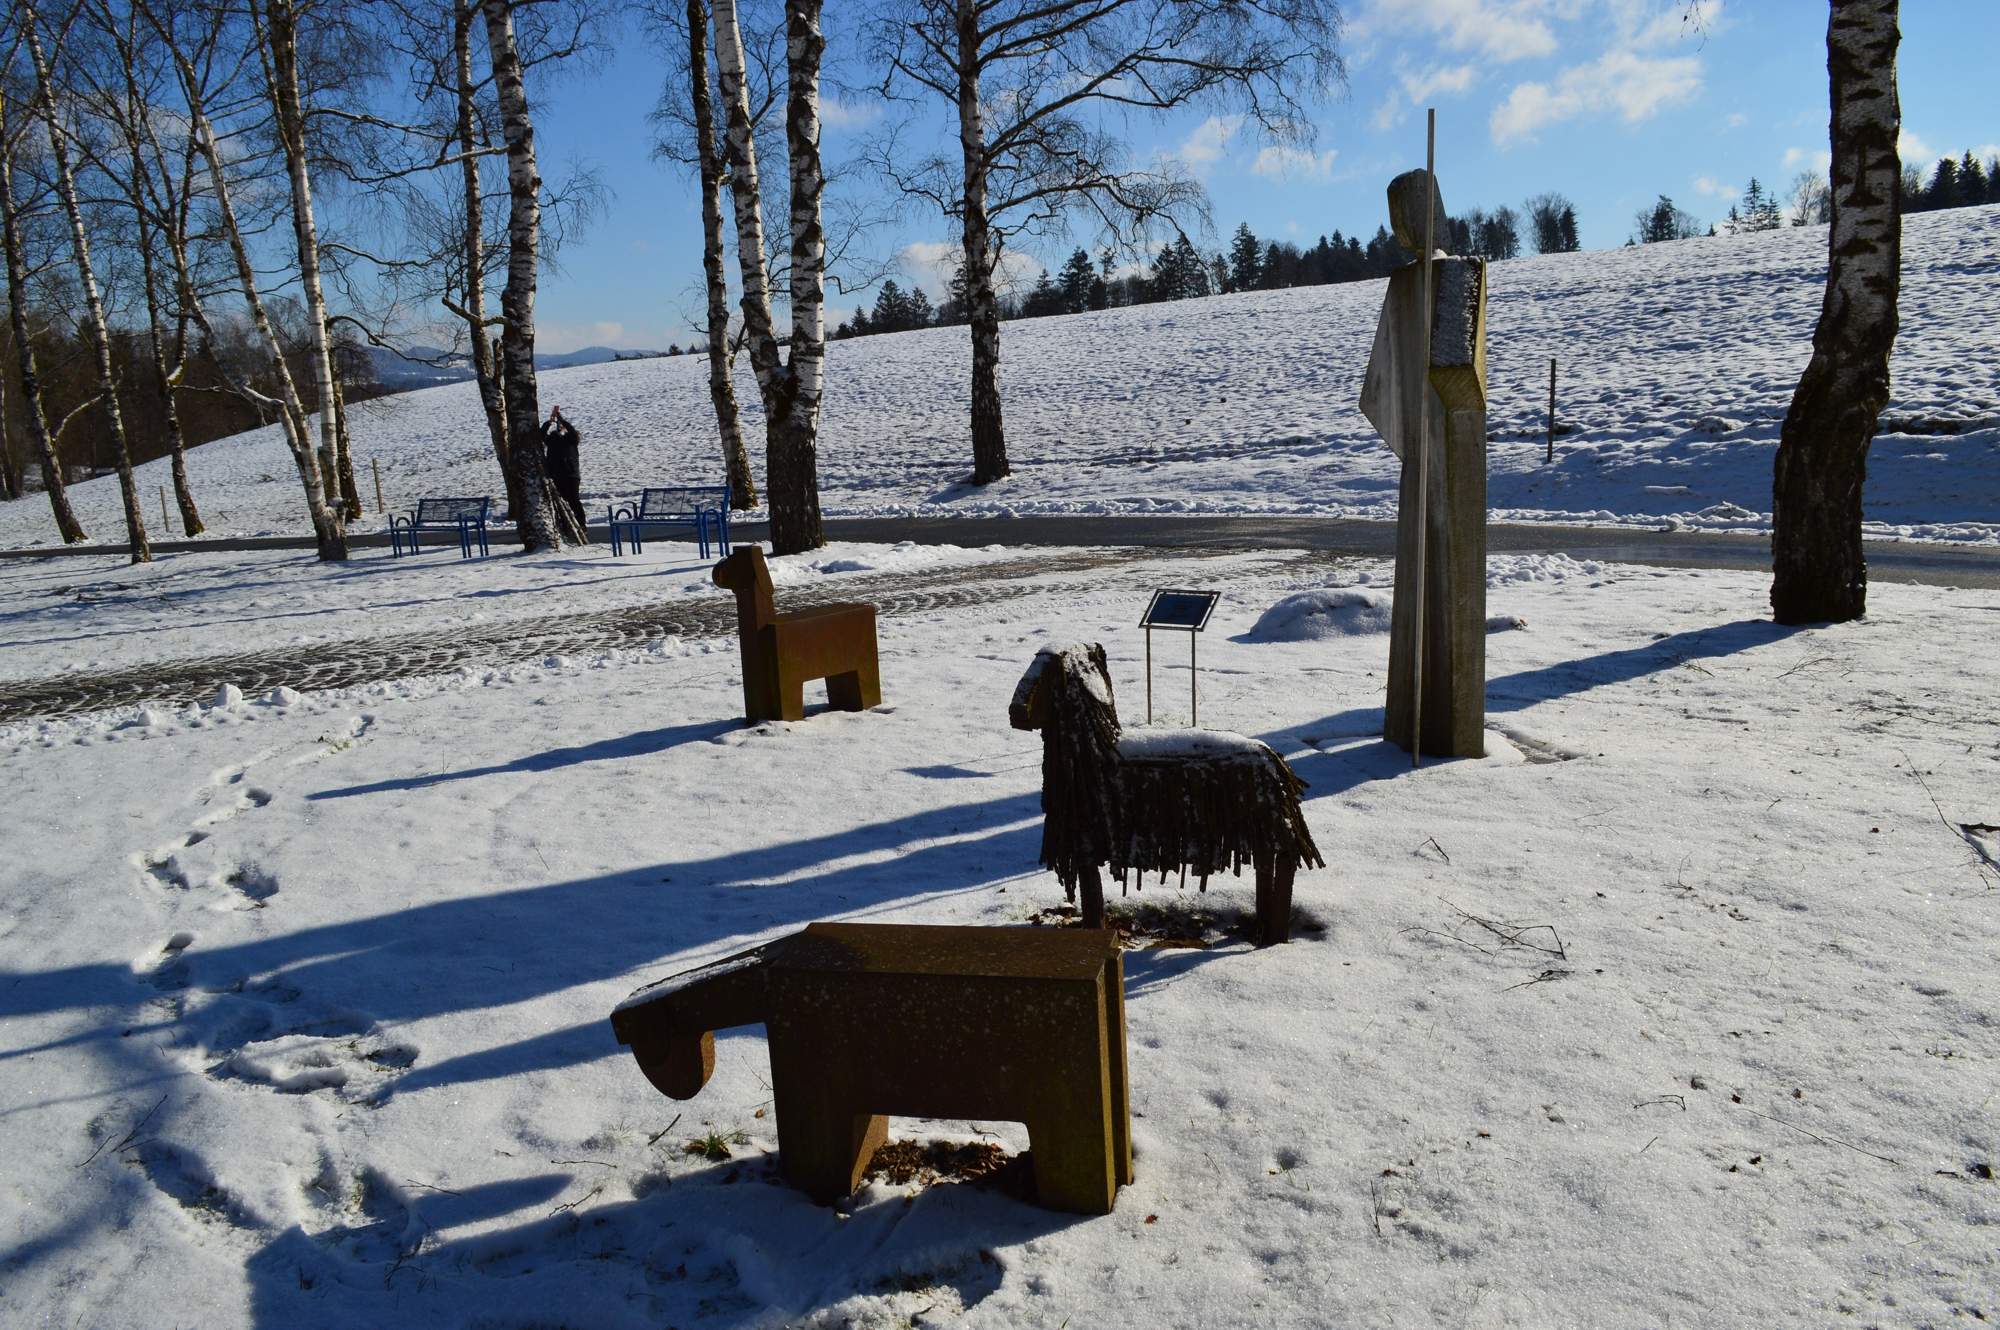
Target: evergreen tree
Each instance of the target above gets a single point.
(1973, 183)
(918, 307)
(1664, 221)
(1761, 211)
(1245, 267)
(1566, 231)
(1194, 272)
(1044, 300)
(1544, 217)
(952, 313)
(1943, 191)
(1500, 234)
(1077, 274)
(1100, 293)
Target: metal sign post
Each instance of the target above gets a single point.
(1183, 611)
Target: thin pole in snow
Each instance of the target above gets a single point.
(1194, 701)
(166, 527)
(1552, 409)
(1423, 439)
(376, 463)
(1149, 675)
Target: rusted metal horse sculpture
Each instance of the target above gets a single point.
(782, 652)
(1151, 800)
(1019, 1024)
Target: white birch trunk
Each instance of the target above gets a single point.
(1819, 574)
(721, 389)
(536, 520)
(330, 531)
(982, 305)
(485, 358)
(100, 337)
(740, 146)
(792, 474)
(285, 102)
(67, 526)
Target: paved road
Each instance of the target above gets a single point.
(406, 655)
(1890, 561)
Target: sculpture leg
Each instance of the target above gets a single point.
(1274, 900)
(1091, 888)
(791, 698)
(1074, 1169)
(1121, 1093)
(824, 1154)
(844, 692)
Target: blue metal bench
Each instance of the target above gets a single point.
(703, 507)
(465, 516)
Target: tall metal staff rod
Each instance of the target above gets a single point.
(1423, 441)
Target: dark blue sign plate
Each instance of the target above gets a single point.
(1187, 610)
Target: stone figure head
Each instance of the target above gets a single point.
(1406, 213)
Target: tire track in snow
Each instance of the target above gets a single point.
(408, 655)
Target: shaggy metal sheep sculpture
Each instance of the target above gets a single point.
(1198, 801)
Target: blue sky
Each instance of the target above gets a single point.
(1611, 102)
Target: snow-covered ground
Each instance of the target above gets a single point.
(1676, 365)
(305, 1000)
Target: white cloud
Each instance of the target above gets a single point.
(1415, 89)
(1712, 188)
(1821, 161)
(1497, 29)
(1634, 86)
(1283, 164)
(837, 115)
(1208, 143)
(1913, 149)
(1647, 24)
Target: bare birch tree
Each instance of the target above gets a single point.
(15, 123)
(198, 67)
(539, 514)
(160, 197)
(86, 273)
(281, 41)
(1029, 83)
(790, 386)
(708, 160)
(1819, 571)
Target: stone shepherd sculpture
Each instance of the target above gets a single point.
(782, 652)
(1016, 1024)
(1454, 455)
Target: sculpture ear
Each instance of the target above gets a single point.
(725, 573)
(682, 1067)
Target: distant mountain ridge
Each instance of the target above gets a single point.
(431, 366)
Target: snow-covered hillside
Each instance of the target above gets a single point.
(1676, 364)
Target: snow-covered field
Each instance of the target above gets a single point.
(305, 1000)
(1676, 365)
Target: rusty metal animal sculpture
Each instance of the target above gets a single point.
(1150, 800)
(1017, 1024)
(782, 652)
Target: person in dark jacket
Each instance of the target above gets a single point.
(560, 439)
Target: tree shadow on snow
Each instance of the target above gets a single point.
(617, 746)
(505, 947)
(1337, 770)
(1517, 692)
